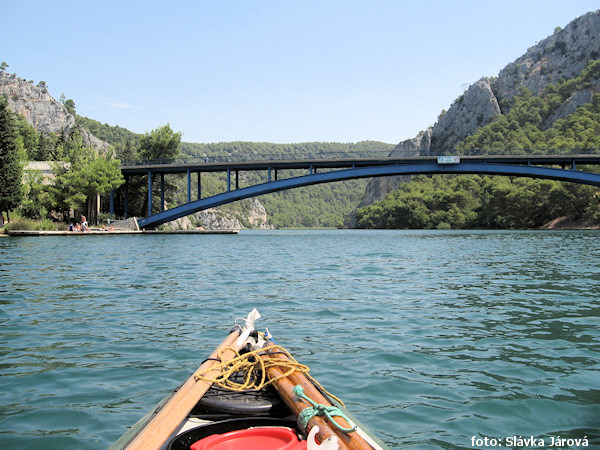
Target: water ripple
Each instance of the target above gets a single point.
(430, 337)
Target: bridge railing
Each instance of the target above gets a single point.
(258, 157)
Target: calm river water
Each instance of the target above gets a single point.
(433, 339)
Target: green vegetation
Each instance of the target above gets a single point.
(474, 201)
(503, 202)
(82, 178)
(11, 191)
(17, 222)
(161, 143)
(123, 141)
(266, 150)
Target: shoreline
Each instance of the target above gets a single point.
(112, 233)
(36, 233)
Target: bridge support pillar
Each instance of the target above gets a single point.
(111, 208)
(126, 206)
(149, 192)
(162, 192)
(269, 173)
(189, 186)
(237, 179)
(228, 179)
(199, 186)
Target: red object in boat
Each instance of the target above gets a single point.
(260, 438)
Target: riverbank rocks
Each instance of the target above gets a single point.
(255, 217)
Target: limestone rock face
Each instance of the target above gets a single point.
(475, 108)
(257, 216)
(214, 219)
(561, 55)
(183, 223)
(210, 219)
(41, 110)
(35, 104)
(217, 219)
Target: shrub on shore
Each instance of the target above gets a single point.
(20, 223)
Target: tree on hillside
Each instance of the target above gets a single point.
(161, 143)
(36, 200)
(30, 139)
(83, 178)
(70, 106)
(11, 190)
(43, 86)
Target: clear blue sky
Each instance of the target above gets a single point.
(272, 71)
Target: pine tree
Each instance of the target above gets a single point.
(11, 171)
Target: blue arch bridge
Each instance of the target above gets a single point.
(319, 170)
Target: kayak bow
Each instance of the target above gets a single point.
(250, 393)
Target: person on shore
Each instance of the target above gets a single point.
(71, 227)
(111, 228)
(84, 224)
(2, 219)
(78, 227)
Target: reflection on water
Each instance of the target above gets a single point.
(430, 337)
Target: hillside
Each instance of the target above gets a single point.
(44, 113)
(560, 57)
(474, 201)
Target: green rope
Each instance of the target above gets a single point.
(320, 410)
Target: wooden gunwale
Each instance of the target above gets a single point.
(174, 412)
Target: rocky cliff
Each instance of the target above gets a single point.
(217, 219)
(41, 110)
(563, 55)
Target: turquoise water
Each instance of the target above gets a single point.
(431, 338)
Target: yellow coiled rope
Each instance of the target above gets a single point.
(254, 370)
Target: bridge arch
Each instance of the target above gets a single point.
(427, 167)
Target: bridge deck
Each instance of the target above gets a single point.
(341, 163)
